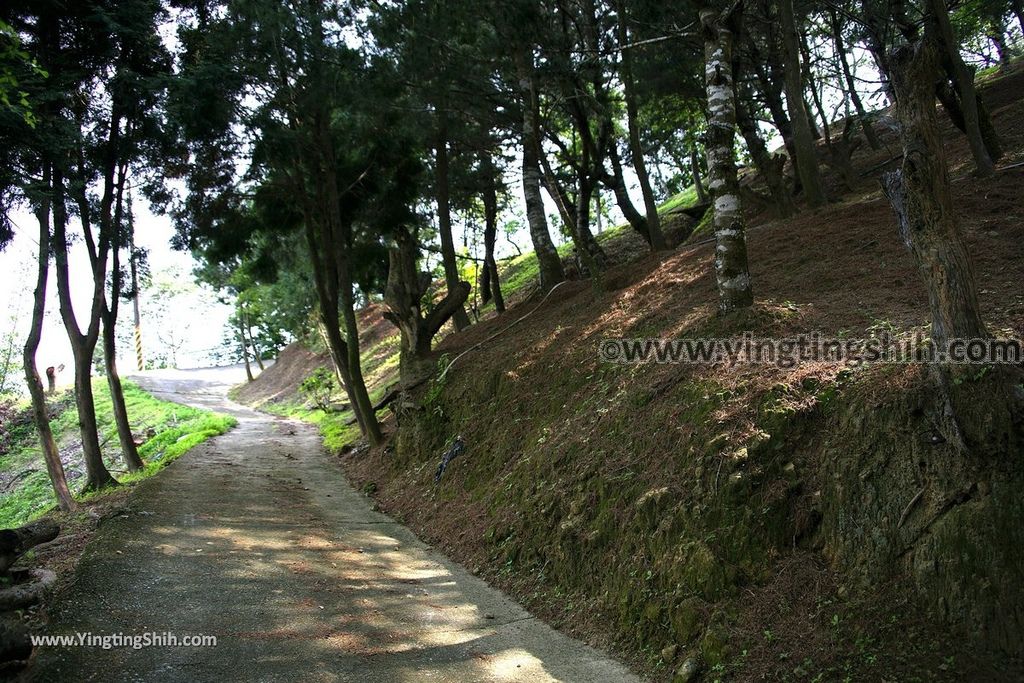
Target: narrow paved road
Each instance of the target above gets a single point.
(256, 538)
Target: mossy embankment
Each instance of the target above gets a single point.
(652, 508)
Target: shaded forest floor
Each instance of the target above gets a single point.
(668, 512)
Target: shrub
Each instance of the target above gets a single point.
(318, 388)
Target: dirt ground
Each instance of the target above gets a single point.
(256, 538)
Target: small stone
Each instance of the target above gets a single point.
(687, 671)
(668, 653)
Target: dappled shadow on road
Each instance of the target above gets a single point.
(256, 538)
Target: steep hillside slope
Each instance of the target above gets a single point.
(814, 523)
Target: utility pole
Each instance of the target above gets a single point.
(140, 359)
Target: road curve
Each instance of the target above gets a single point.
(255, 537)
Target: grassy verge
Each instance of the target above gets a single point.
(169, 429)
(333, 426)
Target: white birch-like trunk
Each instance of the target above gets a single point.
(731, 273)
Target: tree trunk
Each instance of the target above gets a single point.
(963, 81)
(550, 264)
(698, 184)
(812, 87)
(731, 273)
(124, 429)
(771, 88)
(325, 280)
(82, 345)
(51, 455)
(851, 84)
(245, 353)
(1017, 7)
(803, 140)
(618, 187)
(587, 247)
(403, 296)
(109, 314)
(656, 238)
(877, 25)
(98, 476)
(491, 284)
(247, 326)
(332, 234)
(360, 396)
(559, 195)
(444, 216)
(921, 197)
(769, 166)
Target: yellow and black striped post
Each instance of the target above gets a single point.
(140, 360)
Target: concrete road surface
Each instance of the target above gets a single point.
(256, 538)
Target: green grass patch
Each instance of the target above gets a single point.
(32, 498)
(612, 233)
(683, 200)
(176, 429)
(336, 433)
(519, 273)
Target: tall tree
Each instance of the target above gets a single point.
(851, 84)
(83, 342)
(51, 455)
(304, 156)
(921, 197)
(985, 152)
(731, 271)
(803, 139)
(653, 220)
(550, 265)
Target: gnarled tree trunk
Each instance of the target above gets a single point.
(920, 195)
(404, 297)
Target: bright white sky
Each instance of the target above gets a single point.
(204, 315)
